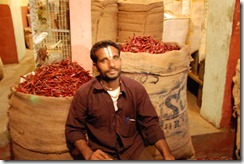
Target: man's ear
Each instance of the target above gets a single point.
(94, 65)
(95, 71)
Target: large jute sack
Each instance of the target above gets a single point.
(140, 18)
(176, 29)
(37, 126)
(137, 28)
(173, 6)
(236, 92)
(196, 25)
(101, 3)
(1, 69)
(165, 78)
(104, 20)
(139, 5)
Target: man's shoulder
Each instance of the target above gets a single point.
(87, 84)
(130, 82)
(127, 79)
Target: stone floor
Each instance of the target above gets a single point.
(199, 128)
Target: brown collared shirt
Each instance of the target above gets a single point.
(119, 133)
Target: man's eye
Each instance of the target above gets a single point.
(116, 57)
(103, 61)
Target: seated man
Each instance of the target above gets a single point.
(115, 112)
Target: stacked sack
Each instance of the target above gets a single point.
(176, 21)
(236, 108)
(140, 18)
(104, 20)
(1, 69)
(176, 28)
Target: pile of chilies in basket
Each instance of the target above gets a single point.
(147, 44)
(59, 79)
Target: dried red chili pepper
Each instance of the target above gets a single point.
(147, 44)
(60, 79)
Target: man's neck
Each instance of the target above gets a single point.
(110, 85)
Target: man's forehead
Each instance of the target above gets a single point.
(109, 51)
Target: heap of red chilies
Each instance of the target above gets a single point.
(147, 44)
(60, 79)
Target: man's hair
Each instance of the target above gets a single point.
(102, 44)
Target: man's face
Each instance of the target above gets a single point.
(108, 63)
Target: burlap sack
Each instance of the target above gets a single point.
(195, 26)
(104, 20)
(21, 153)
(176, 29)
(1, 69)
(139, 5)
(236, 91)
(173, 6)
(140, 18)
(165, 78)
(37, 126)
(101, 3)
(137, 27)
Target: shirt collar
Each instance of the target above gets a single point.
(99, 88)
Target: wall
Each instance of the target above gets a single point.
(8, 48)
(18, 26)
(231, 67)
(80, 27)
(219, 29)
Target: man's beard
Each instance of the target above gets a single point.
(107, 78)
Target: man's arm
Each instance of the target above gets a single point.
(88, 154)
(83, 148)
(163, 148)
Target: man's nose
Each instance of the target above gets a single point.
(111, 62)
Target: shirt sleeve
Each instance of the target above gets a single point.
(75, 123)
(148, 119)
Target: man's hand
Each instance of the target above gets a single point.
(169, 157)
(88, 154)
(99, 155)
(163, 148)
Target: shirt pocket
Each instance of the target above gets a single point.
(98, 118)
(129, 127)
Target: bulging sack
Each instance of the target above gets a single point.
(164, 76)
(37, 126)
